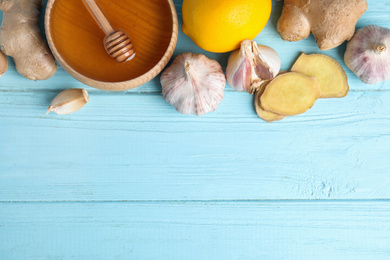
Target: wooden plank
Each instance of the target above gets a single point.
(129, 177)
(196, 230)
(137, 147)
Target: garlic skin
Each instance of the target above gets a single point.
(69, 101)
(193, 84)
(368, 54)
(3, 63)
(251, 65)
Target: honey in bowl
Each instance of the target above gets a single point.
(79, 39)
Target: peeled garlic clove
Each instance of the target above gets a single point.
(3, 63)
(267, 61)
(252, 64)
(69, 101)
(368, 54)
(193, 84)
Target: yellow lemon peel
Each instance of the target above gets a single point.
(221, 25)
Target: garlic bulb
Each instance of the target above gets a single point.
(3, 63)
(368, 54)
(69, 101)
(193, 84)
(251, 65)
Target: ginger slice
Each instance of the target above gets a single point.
(330, 75)
(290, 94)
(263, 114)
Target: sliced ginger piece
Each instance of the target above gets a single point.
(330, 75)
(290, 94)
(263, 114)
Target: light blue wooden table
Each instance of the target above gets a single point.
(127, 177)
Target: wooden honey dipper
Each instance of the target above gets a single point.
(117, 44)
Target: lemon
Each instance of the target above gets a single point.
(220, 25)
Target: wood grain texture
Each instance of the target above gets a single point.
(138, 147)
(196, 230)
(127, 177)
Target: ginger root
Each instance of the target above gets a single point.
(20, 38)
(3, 63)
(331, 21)
(330, 75)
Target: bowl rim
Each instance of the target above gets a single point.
(121, 85)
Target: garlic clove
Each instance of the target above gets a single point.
(193, 84)
(267, 61)
(368, 54)
(249, 66)
(3, 63)
(239, 68)
(69, 101)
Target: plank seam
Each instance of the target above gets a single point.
(201, 201)
(100, 92)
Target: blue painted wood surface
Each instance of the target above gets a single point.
(127, 177)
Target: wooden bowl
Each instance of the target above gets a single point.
(77, 41)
